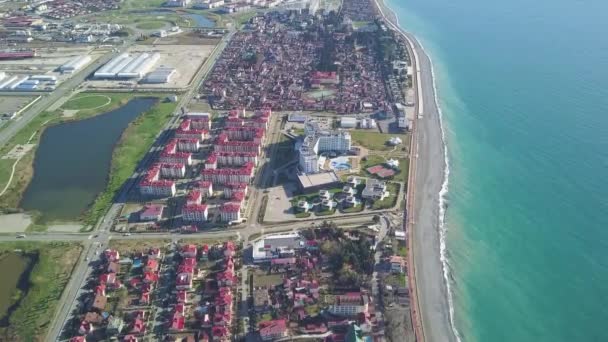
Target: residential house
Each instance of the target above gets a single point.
(272, 330)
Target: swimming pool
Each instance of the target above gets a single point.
(340, 164)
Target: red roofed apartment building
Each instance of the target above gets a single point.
(186, 131)
(231, 188)
(202, 123)
(151, 185)
(225, 145)
(230, 212)
(255, 134)
(188, 145)
(272, 330)
(195, 212)
(172, 170)
(224, 176)
(171, 155)
(236, 158)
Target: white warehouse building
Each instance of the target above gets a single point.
(75, 64)
(162, 74)
(128, 66)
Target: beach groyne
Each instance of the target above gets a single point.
(431, 308)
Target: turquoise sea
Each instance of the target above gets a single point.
(523, 87)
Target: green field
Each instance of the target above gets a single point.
(151, 25)
(377, 141)
(87, 101)
(48, 279)
(400, 175)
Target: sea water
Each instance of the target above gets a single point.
(524, 91)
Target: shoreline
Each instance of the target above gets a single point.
(429, 171)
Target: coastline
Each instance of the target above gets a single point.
(429, 171)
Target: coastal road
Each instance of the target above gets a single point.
(427, 176)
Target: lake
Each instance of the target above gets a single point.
(15, 282)
(200, 20)
(72, 163)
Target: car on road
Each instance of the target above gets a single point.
(126, 234)
(21, 236)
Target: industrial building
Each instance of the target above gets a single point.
(162, 74)
(75, 64)
(128, 66)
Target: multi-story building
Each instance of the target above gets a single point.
(236, 158)
(231, 188)
(171, 155)
(188, 145)
(187, 130)
(230, 212)
(238, 146)
(317, 141)
(245, 133)
(152, 185)
(176, 158)
(200, 134)
(223, 176)
(172, 170)
(202, 123)
(195, 212)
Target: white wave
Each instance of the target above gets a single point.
(443, 193)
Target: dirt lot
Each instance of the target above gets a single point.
(9, 104)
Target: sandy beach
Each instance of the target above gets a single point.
(427, 180)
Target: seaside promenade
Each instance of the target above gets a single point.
(431, 309)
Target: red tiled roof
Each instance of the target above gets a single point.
(270, 328)
(230, 207)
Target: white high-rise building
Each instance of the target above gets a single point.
(318, 141)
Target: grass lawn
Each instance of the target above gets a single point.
(355, 209)
(377, 141)
(48, 279)
(125, 246)
(151, 25)
(266, 280)
(88, 101)
(303, 215)
(325, 212)
(391, 200)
